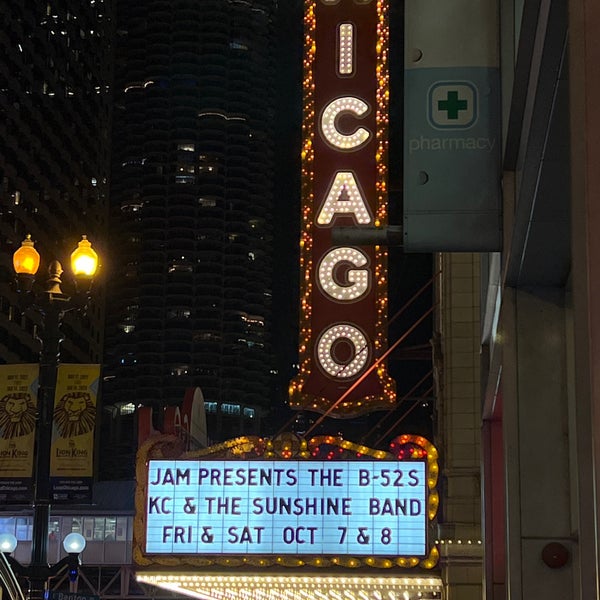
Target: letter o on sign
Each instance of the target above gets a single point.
(326, 356)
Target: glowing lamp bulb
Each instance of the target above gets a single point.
(84, 260)
(74, 543)
(8, 543)
(26, 260)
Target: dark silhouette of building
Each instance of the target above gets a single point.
(191, 208)
(55, 71)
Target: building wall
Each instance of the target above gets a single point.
(457, 368)
(584, 126)
(540, 372)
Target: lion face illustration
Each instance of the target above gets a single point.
(17, 415)
(74, 414)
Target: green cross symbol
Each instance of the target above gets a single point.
(452, 105)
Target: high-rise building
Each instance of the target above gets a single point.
(55, 71)
(191, 203)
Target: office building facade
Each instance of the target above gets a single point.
(191, 205)
(55, 75)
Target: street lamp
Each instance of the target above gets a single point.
(50, 301)
(74, 544)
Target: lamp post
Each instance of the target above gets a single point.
(74, 544)
(50, 301)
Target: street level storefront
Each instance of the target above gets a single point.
(288, 518)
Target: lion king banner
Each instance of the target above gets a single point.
(74, 421)
(18, 401)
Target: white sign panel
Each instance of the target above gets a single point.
(287, 507)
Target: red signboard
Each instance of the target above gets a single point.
(344, 171)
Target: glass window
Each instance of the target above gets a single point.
(88, 528)
(127, 409)
(7, 525)
(121, 529)
(24, 528)
(76, 526)
(185, 179)
(54, 530)
(179, 370)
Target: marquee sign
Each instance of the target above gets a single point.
(343, 289)
(326, 501)
(265, 507)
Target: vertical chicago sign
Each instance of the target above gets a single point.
(343, 312)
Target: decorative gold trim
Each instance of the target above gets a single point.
(285, 447)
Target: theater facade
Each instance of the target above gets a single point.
(288, 518)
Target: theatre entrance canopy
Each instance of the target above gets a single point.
(287, 517)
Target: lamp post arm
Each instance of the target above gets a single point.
(53, 308)
(8, 577)
(17, 568)
(62, 564)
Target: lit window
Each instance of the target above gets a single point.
(133, 205)
(207, 202)
(179, 313)
(207, 165)
(186, 179)
(127, 409)
(249, 413)
(231, 409)
(180, 370)
(186, 147)
(180, 267)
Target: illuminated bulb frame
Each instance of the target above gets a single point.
(359, 280)
(346, 49)
(298, 399)
(287, 446)
(221, 586)
(341, 141)
(355, 205)
(360, 354)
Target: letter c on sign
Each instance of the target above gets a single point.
(329, 125)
